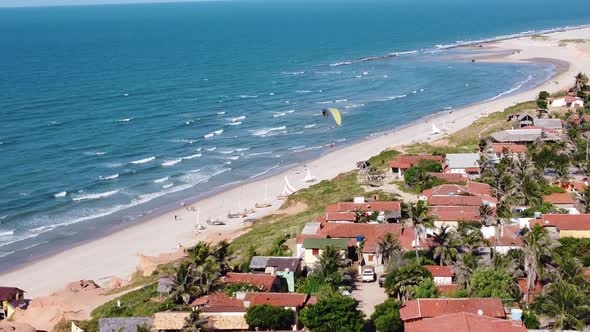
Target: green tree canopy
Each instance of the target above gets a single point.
(335, 313)
(386, 316)
(488, 282)
(267, 317)
(404, 282)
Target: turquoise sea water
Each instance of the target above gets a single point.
(110, 112)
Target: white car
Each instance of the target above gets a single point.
(368, 275)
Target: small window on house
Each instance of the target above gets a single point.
(315, 252)
(370, 258)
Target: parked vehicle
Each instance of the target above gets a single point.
(382, 280)
(368, 275)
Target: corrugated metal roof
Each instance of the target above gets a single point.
(123, 324)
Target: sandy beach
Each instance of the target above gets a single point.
(118, 254)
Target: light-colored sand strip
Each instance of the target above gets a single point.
(117, 254)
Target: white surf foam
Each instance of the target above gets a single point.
(167, 185)
(192, 156)
(389, 98)
(171, 162)
(343, 63)
(94, 196)
(211, 149)
(266, 131)
(143, 161)
(325, 102)
(110, 177)
(161, 180)
(60, 194)
(310, 126)
(278, 114)
(340, 100)
(233, 157)
(248, 96)
(220, 113)
(518, 86)
(354, 106)
(125, 120)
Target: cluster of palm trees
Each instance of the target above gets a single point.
(201, 272)
(565, 298)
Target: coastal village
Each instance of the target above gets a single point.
(490, 234)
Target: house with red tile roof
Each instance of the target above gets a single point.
(510, 149)
(442, 275)
(566, 225)
(419, 309)
(371, 234)
(510, 239)
(388, 211)
(228, 313)
(560, 200)
(464, 322)
(454, 178)
(264, 282)
(537, 289)
(567, 101)
(402, 163)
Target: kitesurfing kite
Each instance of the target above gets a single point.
(335, 113)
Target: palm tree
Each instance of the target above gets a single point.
(330, 261)
(208, 277)
(486, 215)
(420, 218)
(464, 267)
(194, 322)
(445, 243)
(581, 81)
(566, 304)
(535, 244)
(223, 255)
(387, 246)
(183, 286)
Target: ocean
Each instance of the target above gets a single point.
(110, 113)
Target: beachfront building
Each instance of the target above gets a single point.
(560, 200)
(263, 282)
(453, 203)
(353, 235)
(11, 299)
(524, 136)
(552, 124)
(312, 249)
(565, 225)
(508, 149)
(419, 309)
(402, 163)
(289, 268)
(465, 322)
(567, 101)
(462, 163)
(388, 211)
(124, 324)
(442, 275)
(228, 313)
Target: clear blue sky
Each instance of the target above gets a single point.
(33, 3)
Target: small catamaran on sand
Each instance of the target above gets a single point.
(287, 190)
(309, 178)
(264, 203)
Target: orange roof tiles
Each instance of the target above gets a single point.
(559, 198)
(458, 200)
(262, 281)
(568, 222)
(440, 271)
(369, 206)
(277, 299)
(510, 237)
(464, 322)
(450, 177)
(512, 147)
(427, 308)
(405, 162)
(373, 233)
(455, 213)
(348, 216)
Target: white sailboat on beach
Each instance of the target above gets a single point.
(264, 203)
(435, 130)
(309, 178)
(287, 190)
